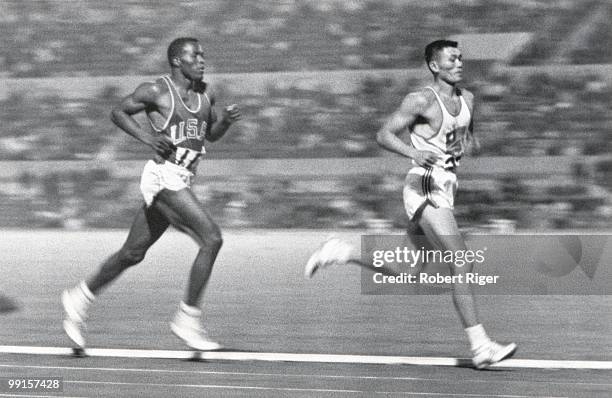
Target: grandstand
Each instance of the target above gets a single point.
(315, 80)
(88, 38)
(581, 36)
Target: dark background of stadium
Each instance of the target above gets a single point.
(315, 80)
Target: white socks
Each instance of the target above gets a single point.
(477, 336)
(81, 298)
(193, 312)
(87, 294)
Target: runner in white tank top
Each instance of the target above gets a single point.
(440, 125)
(445, 135)
(450, 139)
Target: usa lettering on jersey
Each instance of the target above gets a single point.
(187, 130)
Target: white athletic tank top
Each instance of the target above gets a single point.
(449, 140)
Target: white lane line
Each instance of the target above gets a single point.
(290, 357)
(294, 389)
(309, 376)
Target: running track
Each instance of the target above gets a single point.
(258, 304)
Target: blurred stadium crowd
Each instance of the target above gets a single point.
(539, 113)
(88, 38)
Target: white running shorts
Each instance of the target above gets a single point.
(434, 186)
(158, 176)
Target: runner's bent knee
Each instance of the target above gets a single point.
(211, 237)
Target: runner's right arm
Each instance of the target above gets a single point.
(143, 97)
(411, 108)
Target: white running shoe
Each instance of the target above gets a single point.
(332, 251)
(75, 308)
(189, 329)
(491, 353)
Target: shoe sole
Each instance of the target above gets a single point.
(312, 265)
(212, 346)
(314, 262)
(510, 351)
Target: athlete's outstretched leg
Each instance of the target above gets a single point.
(147, 227)
(149, 224)
(185, 213)
(336, 251)
(441, 229)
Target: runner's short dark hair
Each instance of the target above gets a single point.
(435, 47)
(175, 49)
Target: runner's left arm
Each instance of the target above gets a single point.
(218, 127)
